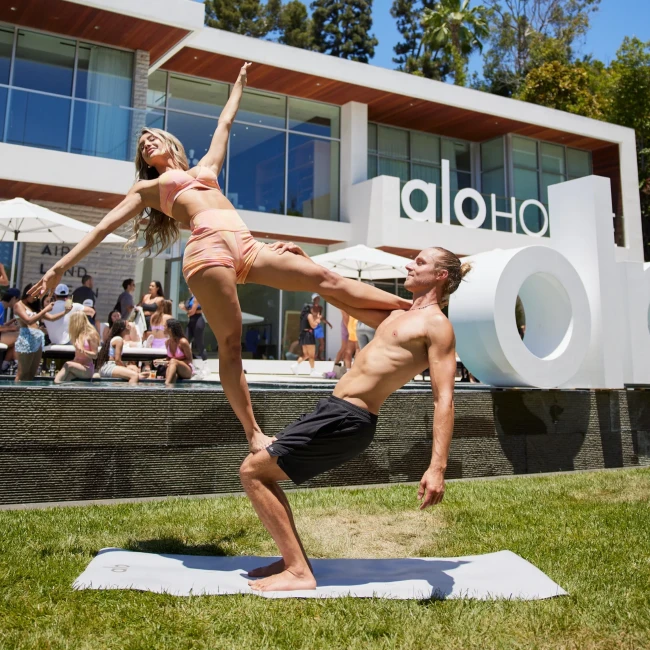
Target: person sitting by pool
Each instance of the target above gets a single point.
(179, 354)
(31, 340)
(85, 339)
(109, 359)
(113, 317)
(158, 320)
(8, 328)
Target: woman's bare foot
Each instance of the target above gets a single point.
(285, 581)
(268, 570)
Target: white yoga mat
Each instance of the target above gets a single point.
(483, 577)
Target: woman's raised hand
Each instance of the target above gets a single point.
(48, 282)
(243, 73)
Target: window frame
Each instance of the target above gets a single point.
(165, 110)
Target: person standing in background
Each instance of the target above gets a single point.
(85, 291)
(195, 327)
(4, 278)
(149, 302)
(319, 333)
(365, 334)
(125, 301)
(353, 343)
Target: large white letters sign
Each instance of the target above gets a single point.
(587, 317)
(430, 212)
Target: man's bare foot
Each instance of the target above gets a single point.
(268, 570)
(285, 581)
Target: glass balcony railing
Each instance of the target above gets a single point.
(38, 119)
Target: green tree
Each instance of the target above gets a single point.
(342, 28)
(247, 17)
(413, 55)
(294, 26)
(520, 32)
(564, 86)
(629, 105)
(452, 27)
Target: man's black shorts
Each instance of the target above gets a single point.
(335, 432)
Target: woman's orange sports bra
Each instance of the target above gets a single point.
(176, 181)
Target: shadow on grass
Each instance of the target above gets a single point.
(176, 546)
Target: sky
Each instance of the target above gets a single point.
(609, 25)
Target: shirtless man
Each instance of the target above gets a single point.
(343, 426)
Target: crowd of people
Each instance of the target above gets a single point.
(29, 323)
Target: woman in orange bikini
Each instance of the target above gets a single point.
(221, 252)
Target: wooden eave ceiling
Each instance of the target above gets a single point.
(383, 107)
(36, 192)
(76, 21)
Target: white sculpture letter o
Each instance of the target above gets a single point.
(479, 219)
(522, 221)
(429, 213)
(558, 320)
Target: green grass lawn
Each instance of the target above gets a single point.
(588, 532)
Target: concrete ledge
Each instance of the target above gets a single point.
(109, 443)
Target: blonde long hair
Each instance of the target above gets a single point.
(456, 271)
(80, 329)
(161, 231)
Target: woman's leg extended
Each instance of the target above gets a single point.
(297, 273)
(132, 376)
(216, 290)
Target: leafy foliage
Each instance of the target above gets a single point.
(452, 27)
(295, 26)
(520, 35)
(563, 86)
(342, 28)
(247, 17)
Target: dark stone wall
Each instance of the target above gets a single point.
(80, 442)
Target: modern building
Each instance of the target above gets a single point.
(324, 151)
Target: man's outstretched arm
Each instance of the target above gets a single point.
(442, 368)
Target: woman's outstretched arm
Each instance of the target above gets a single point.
(217, 151)
(130, 206)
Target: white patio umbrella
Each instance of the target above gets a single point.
(250, 319)
(22, 221)
(364, 263)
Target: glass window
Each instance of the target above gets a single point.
(99, 130)
(197, 95)
(372, 138)
(157, 89)
(492, 154)
(526, 186)
(372, 166)
(547, 180)
(425, 148)
(313, 182)
(44, 63)
(195, 133)
(314, 118)
(552, 158)
(578, 163)
(104, 74)
(458, 154)
(263, 108)
(393, 142)
(27, 125)
(6, 45)
(494, 182)
(388, 167)
(524, 152)
(256, 178)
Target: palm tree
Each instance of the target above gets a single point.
(451, 26)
